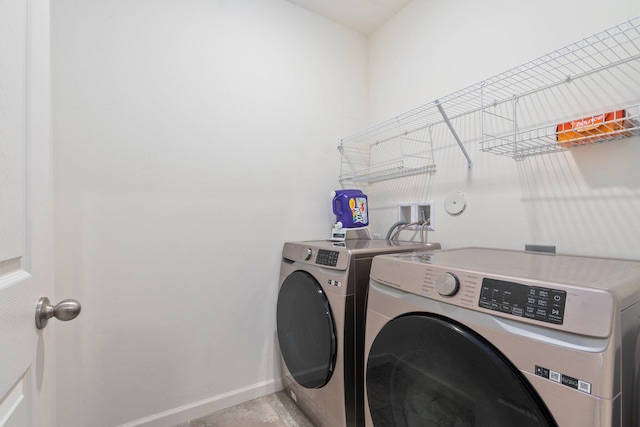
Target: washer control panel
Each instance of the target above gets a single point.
(559, 292)
(533, 302)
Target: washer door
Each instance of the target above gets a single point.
(428, 370)
(306, 330)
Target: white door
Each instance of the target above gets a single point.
(26, 354)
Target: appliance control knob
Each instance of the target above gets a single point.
(306, 254)
(447, 284)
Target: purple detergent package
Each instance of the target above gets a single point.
(350, 208)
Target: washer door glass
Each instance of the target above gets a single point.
(427, 370)
(306, 330)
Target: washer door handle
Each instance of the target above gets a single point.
(65, 310)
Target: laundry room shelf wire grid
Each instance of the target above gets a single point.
(611, 56)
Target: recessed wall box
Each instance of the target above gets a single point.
(416, 213)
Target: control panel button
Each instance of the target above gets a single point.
(447, 284)
(306, 254)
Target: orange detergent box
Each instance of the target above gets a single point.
(593, 129)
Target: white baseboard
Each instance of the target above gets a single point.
(207, 406)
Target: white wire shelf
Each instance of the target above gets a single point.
(400, 156)
(614, 51)
(385, 171)
(554, 138)
(412, 155)
(610, 48)
(607, 59)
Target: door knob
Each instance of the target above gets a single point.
(64, 310)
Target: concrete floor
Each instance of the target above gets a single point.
(274, 410)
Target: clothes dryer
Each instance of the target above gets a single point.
(320, 324)
(494, 338)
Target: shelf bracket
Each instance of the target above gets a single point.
(454, 133)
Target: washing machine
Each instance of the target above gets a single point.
(320, 324)
(496, 338)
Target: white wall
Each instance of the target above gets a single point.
(192, 138)
(585, 201)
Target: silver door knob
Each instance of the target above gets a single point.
(64, 310)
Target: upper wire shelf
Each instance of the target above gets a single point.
(615, 47)
(610, 48)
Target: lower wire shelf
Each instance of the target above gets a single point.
(554, 138)
(385, 171)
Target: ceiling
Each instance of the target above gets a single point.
(364, 16)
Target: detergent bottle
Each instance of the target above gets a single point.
(350, 208)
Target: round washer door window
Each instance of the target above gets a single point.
(427, 370)
(306, 330)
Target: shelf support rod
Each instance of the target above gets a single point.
(454, 133)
